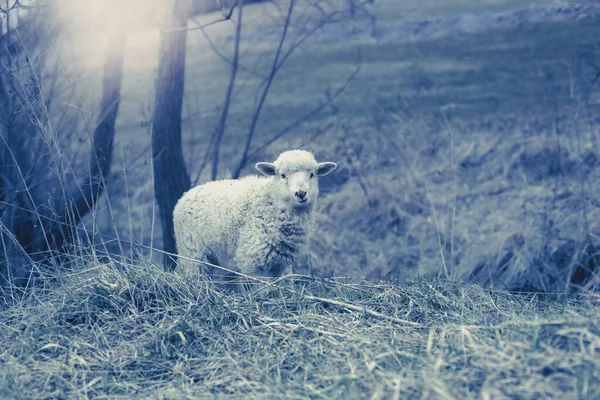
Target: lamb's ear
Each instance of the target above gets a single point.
(266, 168)
(325, 168)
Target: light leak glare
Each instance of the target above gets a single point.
(102, 14)
(88, 23)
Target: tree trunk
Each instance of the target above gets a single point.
(34, 227)
(102, 145)
(171, 178)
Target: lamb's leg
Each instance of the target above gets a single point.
(186, 265)
(192, 261)
(252, 258)
(262, 259)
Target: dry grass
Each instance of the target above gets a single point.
(509, 200)
(134, 331)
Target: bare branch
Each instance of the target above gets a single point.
(225, 112)
(102, 144)
(171, 178)
(226, 17)
(223, 56)
(274, 68)
(306, 116)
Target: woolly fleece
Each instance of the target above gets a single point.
(254, 225)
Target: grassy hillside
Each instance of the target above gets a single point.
(133, 331)
(467, 141)
(467, 145)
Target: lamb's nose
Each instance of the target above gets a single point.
(301, 194)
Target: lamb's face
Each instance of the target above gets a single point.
(295, 177)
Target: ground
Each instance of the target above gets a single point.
(466, 195)
(117, 331)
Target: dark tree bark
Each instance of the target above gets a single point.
(36, 228)
(102, 146)
(171, 178)
(232, 79)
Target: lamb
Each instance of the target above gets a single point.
(255, 225)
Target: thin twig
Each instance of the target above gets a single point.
(274, 68)
(234, 69)
(354, 307)
(226, 17)
(222, 56)
(306, 116)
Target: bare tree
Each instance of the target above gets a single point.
(102, 142)
(171, 178)
(39, 210)
(287, 45)
(225, 112)
(285, 48)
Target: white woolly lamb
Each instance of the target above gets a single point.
(254, 225)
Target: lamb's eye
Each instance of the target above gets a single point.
(283, 176)
(311, 175)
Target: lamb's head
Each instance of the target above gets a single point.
(295, 177)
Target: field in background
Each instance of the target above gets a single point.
(466, 141)
(468, 150)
